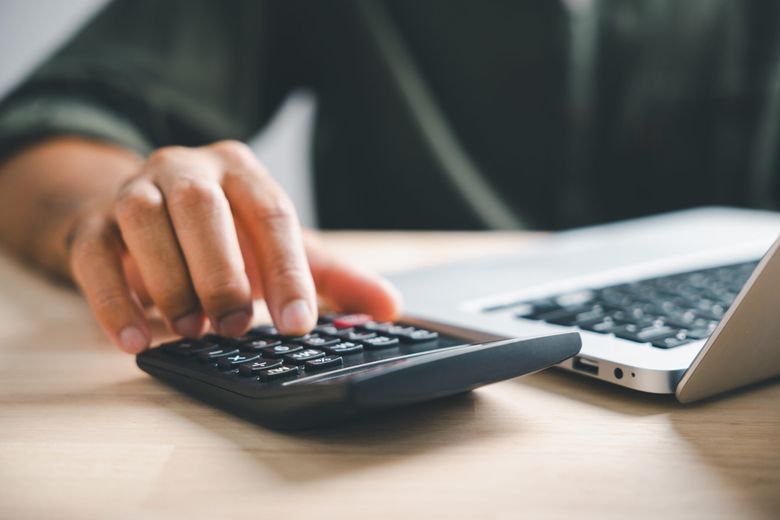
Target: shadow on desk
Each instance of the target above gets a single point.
(321, 453)
(736, 434)
(739, 436)
(598, 393)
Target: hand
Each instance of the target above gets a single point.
(199, 232)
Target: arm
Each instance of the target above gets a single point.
(109, 177)
(198, 232)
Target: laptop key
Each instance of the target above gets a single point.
(592, 316)
(605, 326)
(670, 342)
(698, 333)
(566, 315)
(534, 309)
(632, 332)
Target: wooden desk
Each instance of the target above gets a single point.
(85, 434)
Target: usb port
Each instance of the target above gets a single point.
(586, 365)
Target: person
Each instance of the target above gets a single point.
(123, 166)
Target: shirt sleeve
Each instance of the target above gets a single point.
(145, 74)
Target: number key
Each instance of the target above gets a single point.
(280, 372)
(302, 356)
(255, 367)
(229, 362)
(279, 351)
(323, 363)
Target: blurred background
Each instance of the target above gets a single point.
(31, 29)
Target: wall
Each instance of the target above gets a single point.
(31, 29)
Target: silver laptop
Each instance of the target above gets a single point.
(685, 303)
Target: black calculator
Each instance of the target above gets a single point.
(348, 365)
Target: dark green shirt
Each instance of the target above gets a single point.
(442, 113)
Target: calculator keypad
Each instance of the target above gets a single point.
(237, 359)
(338, 341)
(255, 367)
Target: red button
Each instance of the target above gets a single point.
(352, 320)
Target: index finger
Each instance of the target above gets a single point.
(269, 218)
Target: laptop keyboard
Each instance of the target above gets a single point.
(666, 311)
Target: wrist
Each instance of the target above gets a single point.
(47, 189)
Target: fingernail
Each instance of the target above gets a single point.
(132, 340)
(189, 326)
(234, 324)
(296, 317)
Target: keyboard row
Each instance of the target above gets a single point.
(266, 355)
(666, 312)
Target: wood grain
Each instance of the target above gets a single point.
(85, 434)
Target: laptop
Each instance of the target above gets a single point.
(685, 303)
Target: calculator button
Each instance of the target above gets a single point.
(353, 335)
(379, 328)
(415, 335)
(258, 344)
(186, 347)
(279, 351)
(323, 363)
(398, 330)
(233, 361)
(344, 348)
(671, 342)
(380, 342)
(326, 329)
(280, 372)
(264, 331)
(216, 353)
(351, 320)
(319, 341)
(302, 356)
(254, 367)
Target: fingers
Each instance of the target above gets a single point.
(270, 221)
(206, 229)
(348, 288)
(250, 262)
(148, 234)
(206, 233)
(96, 265)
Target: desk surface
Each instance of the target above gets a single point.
(85, 434)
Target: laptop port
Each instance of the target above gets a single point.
(585, 365)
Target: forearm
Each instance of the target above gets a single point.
(44, 189)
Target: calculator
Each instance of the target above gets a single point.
(348, 365)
